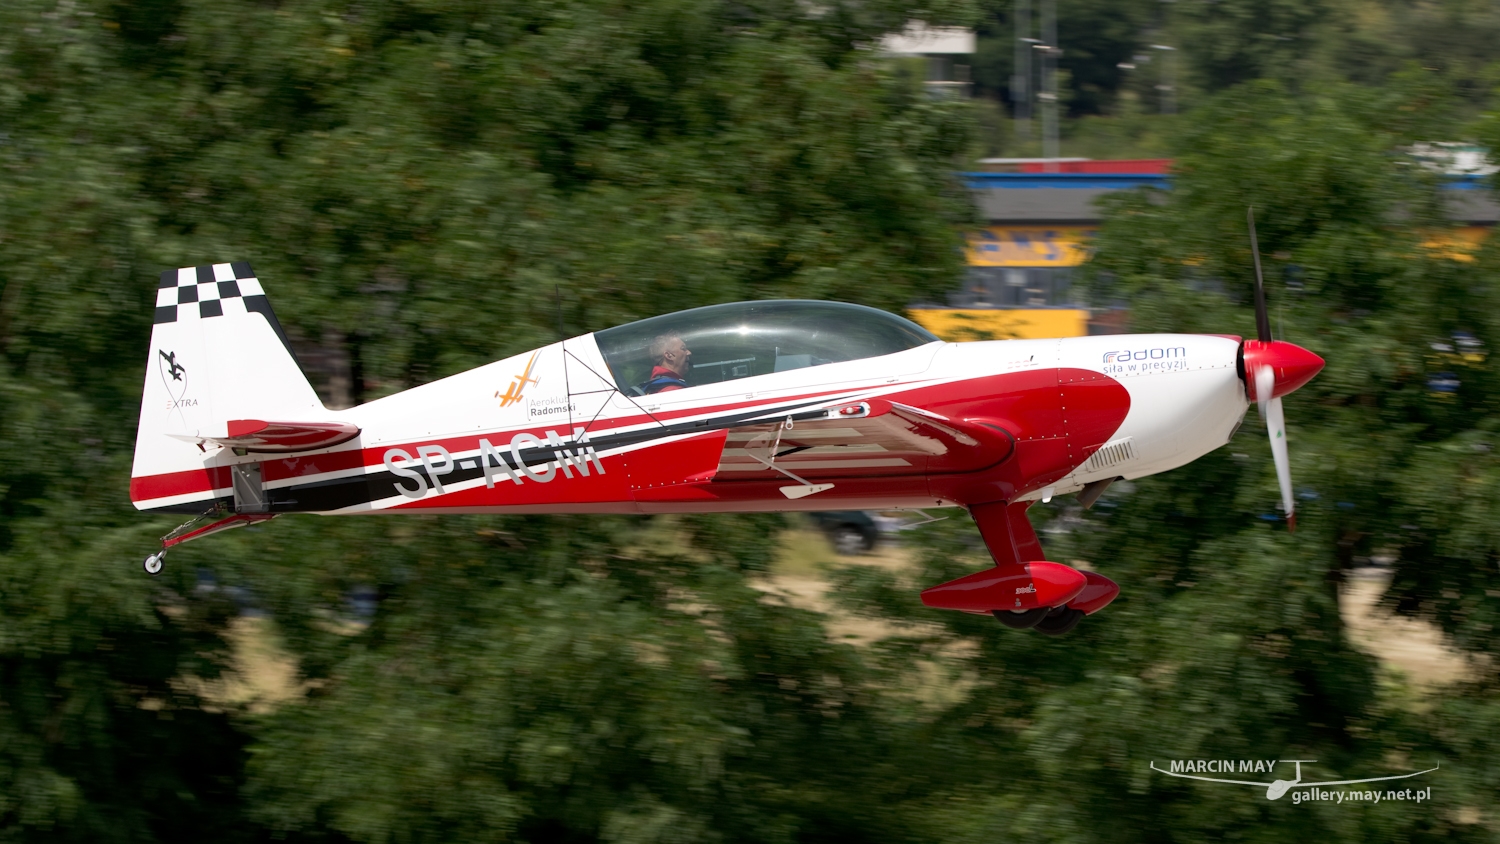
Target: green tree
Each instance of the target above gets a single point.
(419, 184)
(1096, 37)
(1226, 641)
(99, 741)
(1236, 41)
(1368, 41)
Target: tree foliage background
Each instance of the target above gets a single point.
(1134, 61)
(423, 182)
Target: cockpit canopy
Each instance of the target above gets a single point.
(743, 339)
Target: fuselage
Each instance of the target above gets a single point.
(556, 431)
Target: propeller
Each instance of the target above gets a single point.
(1274, 368)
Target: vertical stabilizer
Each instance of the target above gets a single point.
(217, 354)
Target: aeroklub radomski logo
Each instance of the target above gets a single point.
(1194, 769)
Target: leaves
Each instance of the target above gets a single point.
(424, 187)
(427, 185)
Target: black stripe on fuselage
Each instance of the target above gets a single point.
(195, 508)
(323, 496)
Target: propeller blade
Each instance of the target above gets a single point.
(1265, 386)
(1262, 316)
(1276, 429)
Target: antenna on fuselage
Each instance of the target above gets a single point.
(562, 340)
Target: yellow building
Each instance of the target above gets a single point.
(1019, 286)
(1020, 280)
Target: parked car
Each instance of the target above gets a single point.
(850, 531)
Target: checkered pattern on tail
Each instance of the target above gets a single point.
(214, 290)
(208, 291)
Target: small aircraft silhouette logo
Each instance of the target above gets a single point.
(513, 392)
(174, 368)
(173, 380)
(1275, 790)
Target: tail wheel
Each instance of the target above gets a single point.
(153, 563)
(1060, 623)
(1022, 620)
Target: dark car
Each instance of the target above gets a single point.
(850, 531)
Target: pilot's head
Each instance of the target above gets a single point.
(668, 351)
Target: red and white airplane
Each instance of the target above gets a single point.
(774, 406)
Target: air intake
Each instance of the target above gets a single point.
(1111, 454)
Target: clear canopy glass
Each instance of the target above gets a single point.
(744, 339)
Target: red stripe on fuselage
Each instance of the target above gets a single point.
(1029, 404)
(208, 479)
(147, 487)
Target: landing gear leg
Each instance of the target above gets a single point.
(223, 520)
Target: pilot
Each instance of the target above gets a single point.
(669, 358)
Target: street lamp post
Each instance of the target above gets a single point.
(1168, 86)
(1050, 52)
(1020, 77)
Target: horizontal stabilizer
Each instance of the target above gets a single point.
(281, 437)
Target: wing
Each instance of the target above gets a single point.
(873, 438)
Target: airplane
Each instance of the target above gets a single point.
(788, 405)
(516, 390)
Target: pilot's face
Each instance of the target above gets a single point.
(676, 356)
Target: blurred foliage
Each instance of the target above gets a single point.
(1229, 42)
(421, 182)
(1347, 230)
(1113, 67)
(1098, 36)
(1226, 641)
(560, 679)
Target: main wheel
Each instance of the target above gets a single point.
(1021, 620)
(152, 564)
(1057, 625)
